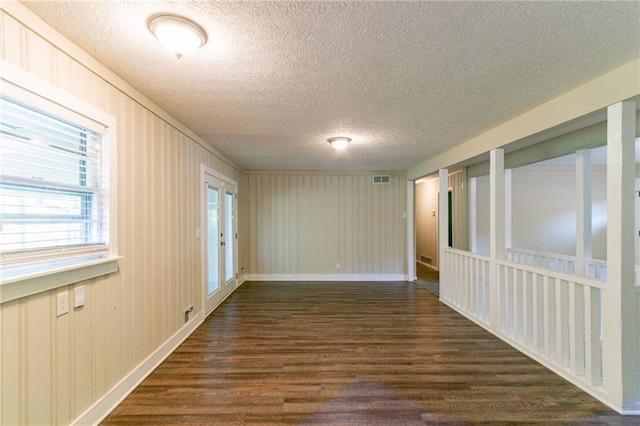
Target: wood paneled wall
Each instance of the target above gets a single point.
(52, 368)
(427, 223)
(305, 223)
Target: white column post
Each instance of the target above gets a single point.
(411, 231)
(443, 208)
(443, 223)
(473, 215)
(496, 229)
(583, 210)
(620, 316)
(507, 208)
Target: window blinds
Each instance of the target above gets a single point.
(53, 187)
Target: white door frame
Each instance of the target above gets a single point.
(207, 175)
(636, 236)
(411, 231)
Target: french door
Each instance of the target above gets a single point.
(220, 237)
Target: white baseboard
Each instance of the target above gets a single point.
(427, 265)
(327, 277)
(105, 405)
(631, 407)
(101, 409)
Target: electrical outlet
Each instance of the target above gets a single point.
(63, 303)
(338, 265)
(187, 314)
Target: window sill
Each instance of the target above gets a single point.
(25, 284)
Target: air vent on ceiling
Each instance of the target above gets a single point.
(381, 179)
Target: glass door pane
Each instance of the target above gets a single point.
(230, 236)
(219, 245)
(213, 273)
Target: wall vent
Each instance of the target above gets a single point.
(426, 259)
(381, 179)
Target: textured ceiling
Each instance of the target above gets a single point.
(405, 80)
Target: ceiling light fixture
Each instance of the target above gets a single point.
(339, 142)
(179, 35)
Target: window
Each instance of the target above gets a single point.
(53, 193)
(55, 209)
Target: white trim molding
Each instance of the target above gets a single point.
(327, 277)
(50, 274)
(53, 278)
(105, 405)
(595, 95)
(101, 409)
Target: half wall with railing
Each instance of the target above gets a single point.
(554, 317)
(576, 315)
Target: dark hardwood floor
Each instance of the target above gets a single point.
(426, 273)
(428, 278)
(350, 353)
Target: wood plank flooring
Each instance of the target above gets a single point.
(350, 354)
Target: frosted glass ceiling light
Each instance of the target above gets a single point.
(339, 142)
(178, 35)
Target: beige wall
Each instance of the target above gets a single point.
(544, 210)
(427, 223)
(53, 368)
(304, 223)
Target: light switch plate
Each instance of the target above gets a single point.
(63, 303)
(78, 297)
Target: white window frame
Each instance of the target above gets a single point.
(24, 87)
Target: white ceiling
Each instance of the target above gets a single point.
(405, 80)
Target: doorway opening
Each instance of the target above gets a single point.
(426, 222)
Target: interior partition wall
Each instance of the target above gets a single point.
(576, 315)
